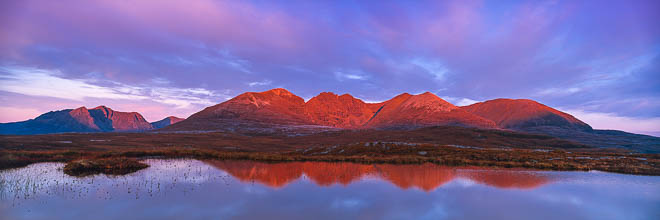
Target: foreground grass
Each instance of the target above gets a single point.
(124, 160)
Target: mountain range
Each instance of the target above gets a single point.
(99, 119)
(278, 110)
(279, 107)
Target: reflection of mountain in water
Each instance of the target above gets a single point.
(423, 176)
(505, 179)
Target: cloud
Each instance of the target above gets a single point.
(350, 75)
(184, 97)
(558, 91)
(50, 83)
(459, 101)
(260, 83)
(373, 101)
(434, 68)
(234, 62)
(599, 120)
(40, 82)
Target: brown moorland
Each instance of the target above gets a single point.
(451, 146)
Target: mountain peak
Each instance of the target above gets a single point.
(325, 95)
(279, 92)
(275, 106)
(166, 122)
(79, 109)
(82, 116)
(345, 111)
(426, 109)
(524, 113)
(107, 112)
(405, 94)
(346, 95)
(103, 107)
(332, 96)
(428, 101)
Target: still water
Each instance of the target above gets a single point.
(192, 189)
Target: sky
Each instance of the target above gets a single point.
(598, 60)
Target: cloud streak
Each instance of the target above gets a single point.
(260, 83)
(598, 120)
(50, 83)
(39, 82)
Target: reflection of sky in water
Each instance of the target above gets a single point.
(189, 189)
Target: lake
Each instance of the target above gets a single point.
(192, 189)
